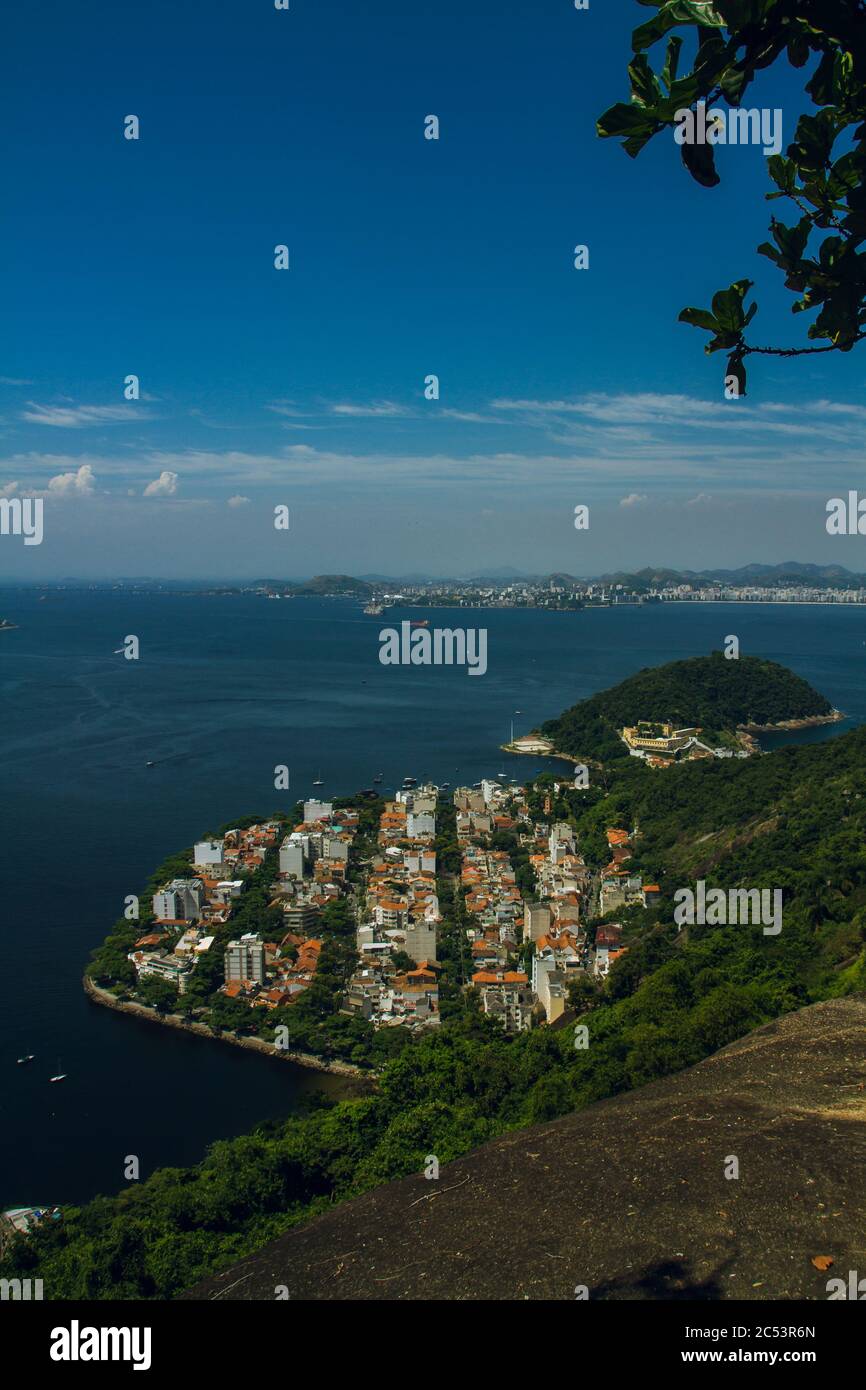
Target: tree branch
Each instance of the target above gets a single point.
(795, 352)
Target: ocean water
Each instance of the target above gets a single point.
(226, 689)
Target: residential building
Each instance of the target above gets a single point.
(180, 901)
(536, 920)
(245, 960)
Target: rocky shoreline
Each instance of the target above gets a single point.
(812, 721)
(302, 1059)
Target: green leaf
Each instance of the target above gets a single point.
(670, 15)
(791, 241)
(699, 318)
(701, 164)
(733, 83)
(672, 60)
(846, 175)
(765, 249)
(827, 80)
(798, 50)
(728, 306)
(644, 83)
(813, 142)
(783, 172)
(625, 118)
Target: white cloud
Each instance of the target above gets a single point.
(377, 410)
(78, 483)
(467, 417)
(163, 486)
(237, 501)
(633, 499)
(76, 417)
(617, 415)
(287, 408)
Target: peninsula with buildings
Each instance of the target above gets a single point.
(323, 935)
(338, 931)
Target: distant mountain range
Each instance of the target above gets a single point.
(790, 571)
(322, 584)
(762, 576)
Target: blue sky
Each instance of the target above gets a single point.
(408, 257)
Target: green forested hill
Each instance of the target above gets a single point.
(794, 819)
(710, 691)
(335, 584)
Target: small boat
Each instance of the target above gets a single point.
(150, 763)
(319, 782)
(61, 1076)
(374, 610)
(419, 622)
(22, 1061)
(380, 778)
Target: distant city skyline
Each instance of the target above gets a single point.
(408, 258)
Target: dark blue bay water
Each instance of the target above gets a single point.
(225, 689)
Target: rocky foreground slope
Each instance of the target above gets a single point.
(628, 1198)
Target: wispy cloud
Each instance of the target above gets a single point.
(627, 410)
(76, 417)
(376, 410)
(467, 417)
(287, 408)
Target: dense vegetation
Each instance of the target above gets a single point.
(709, 691)
(794, 819)
(331, 584)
